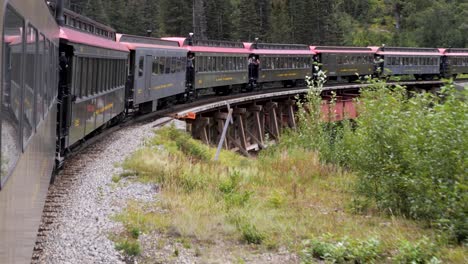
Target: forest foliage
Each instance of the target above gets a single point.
(438, 23)
(407, 149)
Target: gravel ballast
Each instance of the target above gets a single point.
(80, 232)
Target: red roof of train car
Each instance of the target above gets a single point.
(181, 42)
(408, 53)
(342, 49)
(248, 46)
(79, 37)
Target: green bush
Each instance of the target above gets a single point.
(343, 251)
(130, 247)
(420, 252)
(408, 150)
(251, 235)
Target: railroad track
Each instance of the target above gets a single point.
(57, 196)
(90, 150)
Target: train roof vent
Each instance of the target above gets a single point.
(148, 40)
(455, 50)
(406, 49)
(343, 48)
(272, 46)
(82, 23)
(216, 43)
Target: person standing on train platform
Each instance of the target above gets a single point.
(254, 65)
(63, 67)
(190, 68)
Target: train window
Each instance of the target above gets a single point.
(91, 65)
(89, 80)
(162, 60)
(97, 82)
(52, 73)
(141, 66)
(124, 70)
(183, 61)
(103, 73)
(30, 83)
(217, 63)
(173, 64)
(84, 75)
(109, 74)
(48, 82)
(77, 76)
(40, 87)
(13, 41)
(178, 64)
(229, 64)
(114, 74)
(98, 73)
(201, 64)
(167, 65)
(155, 66)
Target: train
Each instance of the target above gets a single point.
(66, 77)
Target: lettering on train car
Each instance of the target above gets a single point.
(349, 70)
(287, 74)
(163, 86)
(76, 122)
(224, 79)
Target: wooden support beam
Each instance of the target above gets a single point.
(259, 132)
(239, 119)
(291, 117)
(202, 129)
(273, 124)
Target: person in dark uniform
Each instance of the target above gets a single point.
(254, 66)
(63, 67)
(190, 68)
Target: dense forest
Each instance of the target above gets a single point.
(435, 23)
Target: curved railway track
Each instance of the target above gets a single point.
(89, 150)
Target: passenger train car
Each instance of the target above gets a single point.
(285, 63)
(345, 62)
(454, 62)
(217, 65)
(68, 77)
(423, 63)
(157, 72)
(28, 122)
(93, 70)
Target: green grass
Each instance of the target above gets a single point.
(284, 198)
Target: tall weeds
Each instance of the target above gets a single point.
(408, 150)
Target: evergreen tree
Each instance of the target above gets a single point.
(176, 17)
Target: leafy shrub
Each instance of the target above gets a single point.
(135, 232)
(343, 251)
(130, 247)
(251, 234)
(423, 251)
(408, 150)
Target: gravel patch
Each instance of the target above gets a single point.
(80, 232)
